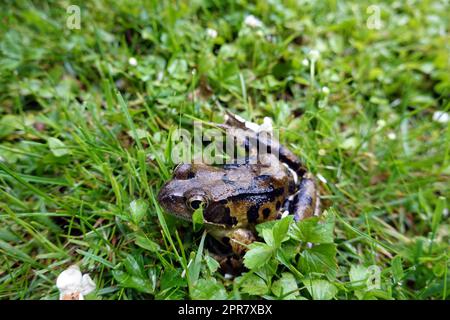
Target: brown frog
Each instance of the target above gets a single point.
(235, 197)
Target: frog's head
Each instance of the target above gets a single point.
(188, 190)
(230, 194)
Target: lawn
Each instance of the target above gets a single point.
(359, 90)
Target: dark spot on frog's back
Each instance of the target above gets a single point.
(278, 205)
(252, 214)
(220, 214)
(266, 213)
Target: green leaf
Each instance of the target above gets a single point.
(258, 255)
(311, 230)
(254, 285)
(212, 263)
(140, 134)
(128, 281)
(280, 230)
(8, 124)
(321, 289)
(267, 235)
(177, 68)
(57, 147)
(437, 215)
(172, 278)
(320, 258)
(138, 209)
(397, 269)
(195, 265)
(134, 265)
(285, 287)
(146, 243)
(208, 289)
(197, 219)
(265, 225)
(358, 276)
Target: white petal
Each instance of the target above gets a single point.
(69, 279)
(87, 284)
(440, 116)
(211, 33)
(253, 22)
(132, 61)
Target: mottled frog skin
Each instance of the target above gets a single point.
(236, 197)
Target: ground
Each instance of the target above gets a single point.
(88, 106)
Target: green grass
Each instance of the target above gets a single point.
(70, 105)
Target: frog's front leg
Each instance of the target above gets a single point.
(306, 202)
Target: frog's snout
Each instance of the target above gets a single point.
(171, 200)
(165, 197)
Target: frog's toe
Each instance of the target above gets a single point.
(240, 239)
(306, 202)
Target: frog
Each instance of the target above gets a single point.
(237, 196)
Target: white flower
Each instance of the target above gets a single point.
(314, 55)
(305, 62)
(73, 285)
(326, 90)
(392, 136)
(132, 61)
(253, 22)
(381, 123)
(211, 33)
(322, 152)
(441, 117)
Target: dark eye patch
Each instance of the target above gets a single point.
(252, 213)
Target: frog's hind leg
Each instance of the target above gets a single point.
(306, 202)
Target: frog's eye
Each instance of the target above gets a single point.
(197, 201)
